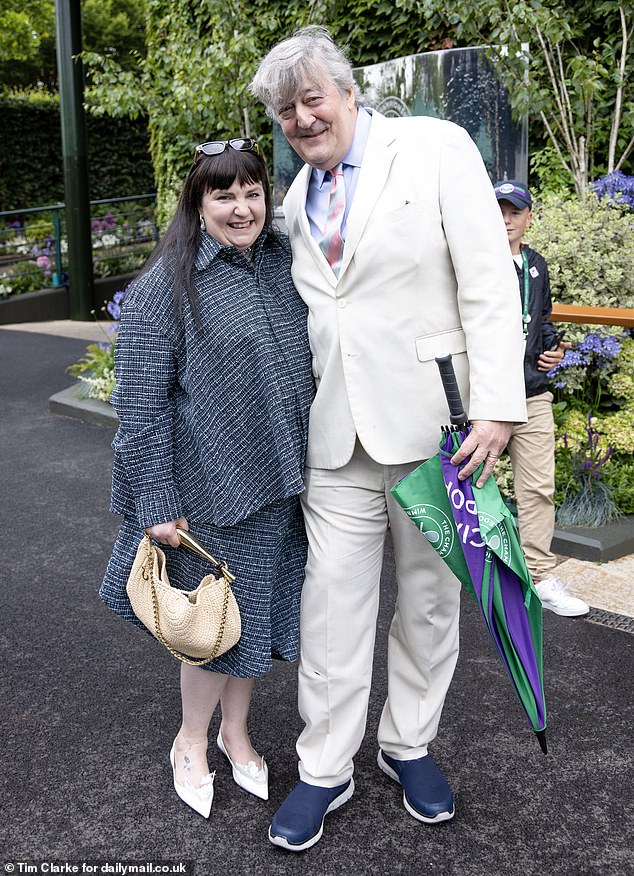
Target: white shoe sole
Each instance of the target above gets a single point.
(436, 819)
(283, 843)
(563, 612)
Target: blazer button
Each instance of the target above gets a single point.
(341, 303)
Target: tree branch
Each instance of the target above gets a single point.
(555, 143)
(625, 155)
(616, 118)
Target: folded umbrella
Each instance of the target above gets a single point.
(475, 534)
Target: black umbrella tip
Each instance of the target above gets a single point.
(541, 738)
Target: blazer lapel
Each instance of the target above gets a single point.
(297, 221)
(377, 161)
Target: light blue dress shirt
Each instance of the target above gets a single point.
(318, 193)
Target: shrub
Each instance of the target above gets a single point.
(619, 478)
(591, 376)
(589, 248)
(549, 173)
(587, 500)
(594, 431)
(31, 166)
(594, 413)
(21, 277)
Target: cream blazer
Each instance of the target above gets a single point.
(426, 271)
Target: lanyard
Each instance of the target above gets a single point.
(526, 317)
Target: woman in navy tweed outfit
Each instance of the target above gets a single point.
(214, 386)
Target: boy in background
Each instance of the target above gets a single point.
(532, 444)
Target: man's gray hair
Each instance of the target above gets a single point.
(310, 52)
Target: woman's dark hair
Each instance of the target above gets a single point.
(180, 244)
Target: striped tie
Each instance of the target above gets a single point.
(332, 243)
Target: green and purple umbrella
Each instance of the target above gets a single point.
(475, 534)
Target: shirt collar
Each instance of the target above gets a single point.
(354, 156)
(210, 248)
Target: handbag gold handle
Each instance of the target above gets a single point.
(188, 541)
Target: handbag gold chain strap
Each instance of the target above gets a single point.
(147, 575)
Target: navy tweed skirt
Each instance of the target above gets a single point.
(267, 554)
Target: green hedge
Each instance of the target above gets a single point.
(31, 168)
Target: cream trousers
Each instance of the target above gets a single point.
(532, 453)
(346, 513)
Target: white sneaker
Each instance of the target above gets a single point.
(554, 596)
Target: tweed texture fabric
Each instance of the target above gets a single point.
(213, 419)
(267, 554)
(213, 423)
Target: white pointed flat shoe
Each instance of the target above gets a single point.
(200, 799)
(249, 776)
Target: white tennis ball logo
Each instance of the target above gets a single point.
(435, 525)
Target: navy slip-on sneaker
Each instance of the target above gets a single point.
(299, 822)
(426, 793)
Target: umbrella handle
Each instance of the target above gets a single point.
(457, 413)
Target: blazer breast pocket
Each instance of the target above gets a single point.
(409, 211)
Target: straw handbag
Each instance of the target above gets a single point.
(195, 626)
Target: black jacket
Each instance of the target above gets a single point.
(541, 332)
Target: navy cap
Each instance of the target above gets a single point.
(515, 192)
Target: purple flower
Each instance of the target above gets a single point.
(604, 347)
(44, 263)
(114, 307)
(616, 187)
(571, 359)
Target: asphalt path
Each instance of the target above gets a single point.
(89, 707)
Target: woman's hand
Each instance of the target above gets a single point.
(165, 533)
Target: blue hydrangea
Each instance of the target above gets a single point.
(572, 358)
(616, 187)
(114, 307)
(603, 347)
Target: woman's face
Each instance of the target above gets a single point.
(235, 216)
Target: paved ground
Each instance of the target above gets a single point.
(90, 706)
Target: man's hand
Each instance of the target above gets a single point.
(165, 533)
(485, 443)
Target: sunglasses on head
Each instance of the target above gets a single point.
(216, 147)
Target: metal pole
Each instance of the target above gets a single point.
(70, 72)
(57, 231)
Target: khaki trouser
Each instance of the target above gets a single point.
(346, 516)
(532, 453)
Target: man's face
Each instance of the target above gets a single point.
(319, 122)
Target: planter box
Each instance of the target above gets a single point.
(596, 543)
(49, 304)
(71, 403)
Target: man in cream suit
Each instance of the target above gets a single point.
(424, 270)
